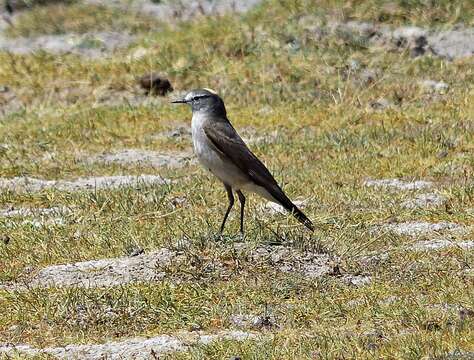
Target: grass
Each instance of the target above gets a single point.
(76, 17)
(329, 141)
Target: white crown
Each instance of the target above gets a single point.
(211, 91)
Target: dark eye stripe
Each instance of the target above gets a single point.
(200, 97)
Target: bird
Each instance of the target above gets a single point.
(221, 150)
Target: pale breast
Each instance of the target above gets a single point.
(211, 159)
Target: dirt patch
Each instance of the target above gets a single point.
(34, 212)
(449, 44)
(452, 44)
(308, 264)
(428, 200)
(92, 45)
(106, 272)
(28, 184)
(38, 223)
(440, 244)
(172, 11)
(137, 348)
(153, 267)
(399, 184)
(420, 228)
(144, 158)
(67, 94)
(183, 265)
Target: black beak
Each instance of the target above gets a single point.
(180, 101)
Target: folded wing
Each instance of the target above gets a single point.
(224, 137)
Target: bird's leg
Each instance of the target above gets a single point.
(242, 208)
(231, 203)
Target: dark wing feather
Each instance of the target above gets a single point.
(228, 142)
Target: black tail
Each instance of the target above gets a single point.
(284, 201)
(302, 218)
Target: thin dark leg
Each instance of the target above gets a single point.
(242, 208)
(231, 203)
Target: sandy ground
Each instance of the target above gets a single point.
(137, 348)
(28, 184)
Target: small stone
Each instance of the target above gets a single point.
(357, 280)
(155, 84)
(466, 314)
(14, 328)
(5, 239)
(442, 154)
(273, 208)
(195, 327)
(354, 65)
(417, 51)
(263, 322)
(255, 321)
(294, 45)
(139, 53)
(380, 104)
(368, 76)
(182, 244)
(109, 313)
(180, 131)
(135, 251)
(178, 201)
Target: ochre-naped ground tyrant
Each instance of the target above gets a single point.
(221, 150)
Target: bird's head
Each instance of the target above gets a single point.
(203, 100)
